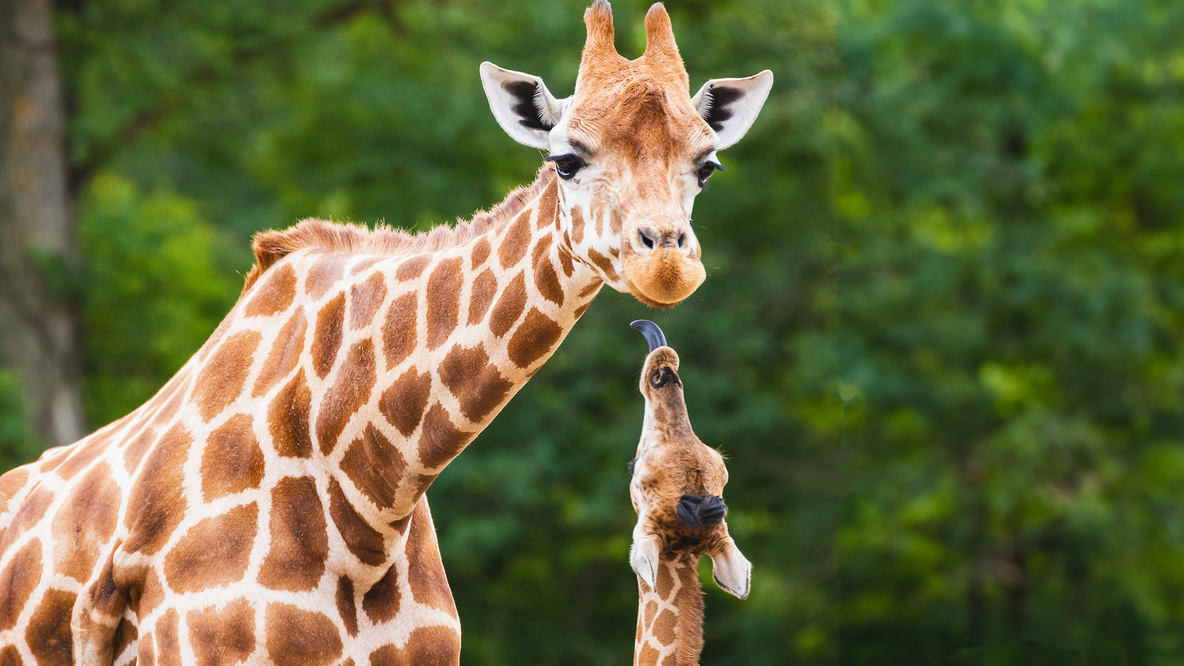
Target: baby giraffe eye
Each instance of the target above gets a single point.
(567, 165)
(706, 170)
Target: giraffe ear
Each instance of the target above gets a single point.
(730, 106)
(731, 570)
(643, 557)
(521, 104)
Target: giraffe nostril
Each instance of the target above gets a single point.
(695, 511)
(682, 240)
(646, 240)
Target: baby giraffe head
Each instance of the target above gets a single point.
(632, 149)
(678, 481)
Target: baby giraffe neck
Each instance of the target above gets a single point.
(670, 618)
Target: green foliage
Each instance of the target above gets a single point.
(951, 272)
(155, 291)
(1009, 179)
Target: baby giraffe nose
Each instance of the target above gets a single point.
(695, 511)
(651, 239)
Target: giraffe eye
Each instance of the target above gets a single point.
(567, 165)
(706, 170)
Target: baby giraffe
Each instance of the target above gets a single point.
(677, 491)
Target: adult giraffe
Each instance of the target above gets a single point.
(677, 492)
(267, 506)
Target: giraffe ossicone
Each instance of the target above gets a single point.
(268, 504)
(677, 492)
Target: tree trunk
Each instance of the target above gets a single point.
(38, 323)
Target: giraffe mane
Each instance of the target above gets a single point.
(272, 246)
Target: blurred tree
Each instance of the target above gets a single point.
(1011, 313)
(38, 318)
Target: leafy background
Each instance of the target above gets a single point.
(940, 341)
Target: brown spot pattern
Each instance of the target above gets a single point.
(403, 403)
(548, 203)
(374, 466)
(565, 262)
(481, 298)
(509, 307)
(480, 253)
(79, 457)
(365, 542)
(345, 605)
(224, 374)
(381, 602)
(364, 264)
(31, 511)
(326, 341)
(11, 483)
(276, 293)
(476, 383)
(398, 334)
(148, 596)
(19, 578)
(232, 460)
(214, 551)
(515, 242)
(592, 288)
(443, 306)
(440, 441)
(125, 635)
(434, 645)
(48, 633)
(364, 301)
(412, 267)
(84, 523)
(137, 447)
(545, 278)
(577, 224)
(288, 418)
(425, 570)
(168, 638)
(296, 637)
(355, 380)
(648, 655)
(157, 503)
(663, 628)
(325, 273)
(603, 263)
(285, 353)
(9, 656)
(535, 337)
(147, 655)
(222, 635)
(299, 537)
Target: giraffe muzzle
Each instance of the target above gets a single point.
(663, 276)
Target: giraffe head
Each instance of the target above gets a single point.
(632, 150)
(678, 481)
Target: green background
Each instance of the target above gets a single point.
(940, 340)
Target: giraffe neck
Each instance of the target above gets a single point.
(383, 368)
(670, 618)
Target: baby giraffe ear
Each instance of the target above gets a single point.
(730, 106)
(731, 570)
(521, 104)
(644, 557)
